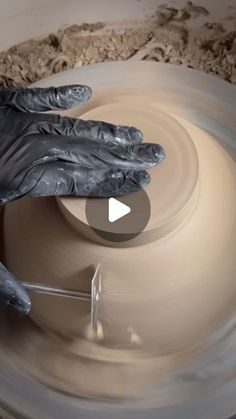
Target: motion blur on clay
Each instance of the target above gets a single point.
(118, 201)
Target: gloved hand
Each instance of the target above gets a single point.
(47, 155)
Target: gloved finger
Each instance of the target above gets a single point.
(45, 99)
(63, 179)
(94, 130)
(95, 155)
(12, 293)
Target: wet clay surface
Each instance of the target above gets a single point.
(210, 48)
(154, 313)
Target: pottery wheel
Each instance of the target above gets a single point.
(178, 353)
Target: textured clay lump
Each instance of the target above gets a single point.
(168, 36)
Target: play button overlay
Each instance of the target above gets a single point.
(117, 210)
(118, 219)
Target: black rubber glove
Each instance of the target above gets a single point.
(48, 155)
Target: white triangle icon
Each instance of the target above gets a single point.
(117, 210)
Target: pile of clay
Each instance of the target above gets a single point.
(168, 36)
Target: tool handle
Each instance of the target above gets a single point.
(59, 292)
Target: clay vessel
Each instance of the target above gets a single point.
(171, 286)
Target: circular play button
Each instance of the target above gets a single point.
(119, 219)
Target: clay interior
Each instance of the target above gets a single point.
(173, 288)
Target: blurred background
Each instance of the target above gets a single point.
(66, 34)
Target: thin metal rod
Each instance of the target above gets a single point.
(59, 292)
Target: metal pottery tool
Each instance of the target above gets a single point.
(94, 296)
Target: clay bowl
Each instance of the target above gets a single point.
(169, 293)
(192, 224)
